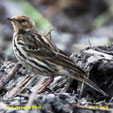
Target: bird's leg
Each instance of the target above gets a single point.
(45, 85)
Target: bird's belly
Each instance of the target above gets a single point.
(25, 63)
(31, 68)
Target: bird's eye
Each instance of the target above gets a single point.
(23, 20)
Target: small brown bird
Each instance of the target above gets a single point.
(37, 53)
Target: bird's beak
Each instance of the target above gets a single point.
(9, 19)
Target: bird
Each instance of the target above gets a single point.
(37, 53)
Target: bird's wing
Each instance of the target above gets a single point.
(43, 48)
(38, 44)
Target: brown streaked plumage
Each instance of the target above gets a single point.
(37, 53)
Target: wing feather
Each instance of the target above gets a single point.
(43, 48)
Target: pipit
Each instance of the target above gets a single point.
(39, 54)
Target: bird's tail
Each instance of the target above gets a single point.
(93, 85)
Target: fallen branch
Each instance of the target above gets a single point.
(10, 76)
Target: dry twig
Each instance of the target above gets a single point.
(32, 96)
(6, 79)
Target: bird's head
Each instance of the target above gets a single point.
(21, 23)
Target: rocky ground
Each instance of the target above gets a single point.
(77, 33)
(63, 94)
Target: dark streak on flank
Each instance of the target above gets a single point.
(39, 65)
(20, 43)
(35, 68)
(19, 51)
